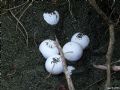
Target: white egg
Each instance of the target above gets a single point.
(48, 48)
(72, 51)
(82, 39)
(51, 18)
(54, 64)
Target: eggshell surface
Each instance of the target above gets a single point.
(48, 48)
(82, 39)
(72, 51)
(54, 65)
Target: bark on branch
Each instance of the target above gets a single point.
(111, 41)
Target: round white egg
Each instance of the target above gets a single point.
(54, 65)
(48, 48)
(51, 18)
(82, 39)
(72, 51)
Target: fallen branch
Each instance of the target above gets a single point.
(18, 20)
(99, 11)
(67, 75)
(104, 67)
(109, 54)
(111, 41)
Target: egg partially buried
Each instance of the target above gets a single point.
(82, 39)
(70, 69)
(72, 51)
(54, 65)
(51, 18)
(48, 48)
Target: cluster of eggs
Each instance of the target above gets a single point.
(53, 63)
(72, 50)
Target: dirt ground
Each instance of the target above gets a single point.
(22, 66)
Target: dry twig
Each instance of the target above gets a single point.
(15, 7)
(21, 25)
(104, 67)
(68, 78)
(20, 18)
(70, 8)
(98, 81)
(111, 41)
(23, 13)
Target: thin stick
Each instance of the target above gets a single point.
(111, 41)
(99, 11)
(118, 20)
(21, 9)
(115, 62)
(21, 25)
(23, 13)
(70, 8)
(103, 67)
(15, 7)
(18, 27)
(68, 78)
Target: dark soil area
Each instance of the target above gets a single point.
(22, 66)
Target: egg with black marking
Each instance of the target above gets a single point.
(54, 65)
(48, 48)
(51, 18)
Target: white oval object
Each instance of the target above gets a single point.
(54, 65)
(72, 51)
(51, 18)
(48, 48)
(82, 39)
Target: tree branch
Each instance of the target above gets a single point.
(111, 41)
(68, 78)
(100, 12)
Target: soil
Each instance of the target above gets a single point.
(23, 66)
